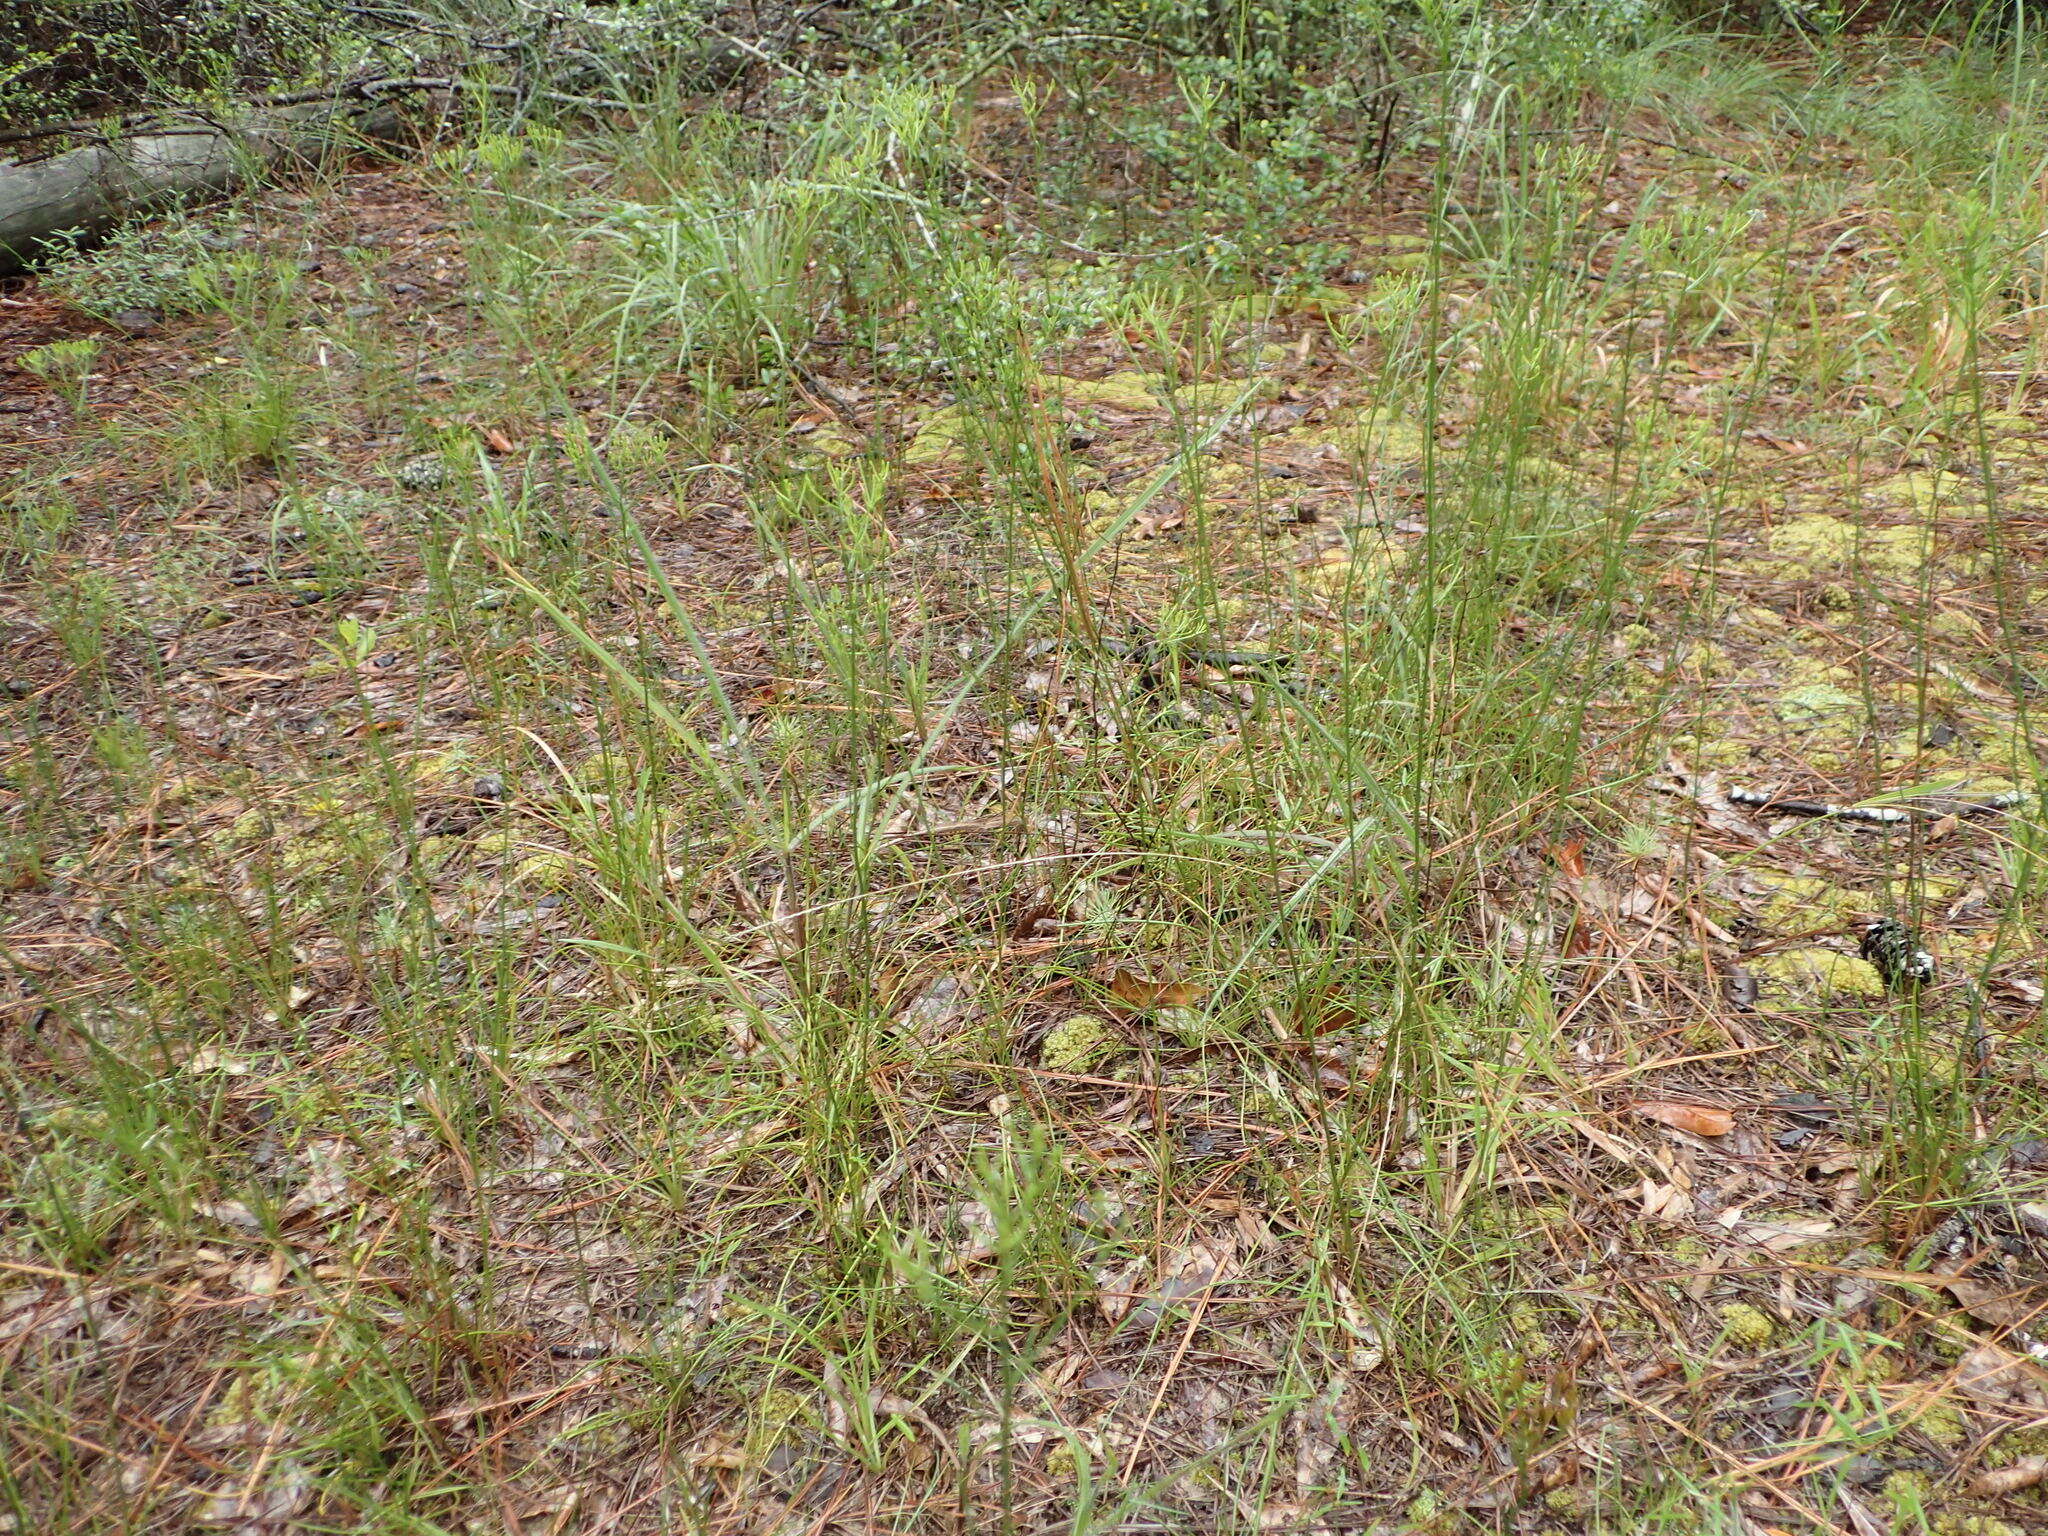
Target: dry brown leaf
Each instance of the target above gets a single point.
(1695, 1119)
(1999, 1377)
(1784, 1235)
(1665, 1202)
(938, 1009)
(1183, 1275)
(1613, 1146)
(1141, 995)
(1325, 1011)
(1996, 1305)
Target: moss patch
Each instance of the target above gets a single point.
(1381, 435)
(1801, 903)
(1819, 706)
(1218, 394)
(1747, 1327)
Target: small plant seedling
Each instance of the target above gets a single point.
(67, 364)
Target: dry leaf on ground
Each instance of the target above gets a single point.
(1141, 994)
(1697, 1119)
(1999, 1378)
(1183, 1275)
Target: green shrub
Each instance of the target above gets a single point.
(156, 267)
(71, 57)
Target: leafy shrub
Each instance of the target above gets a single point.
(71, 57)
(156, 267)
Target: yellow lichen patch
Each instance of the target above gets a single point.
(494, 843)
(1268, 306)
(1128, 390)
(1746, 1326)
(546, 871)
(832, 441)
(1819, 707)
(1405, 252)
(941, 439)
(1373, 431)
(1225, 479)
(1220, 394)
(1074, 1043)
(1541, 471)
(777, 1416)
(1102, 509)
(1910, 746)
(602, 771)
(1818, 543)
(1707, 660)
(434, 763)
(1923, 493)
(1801, 903)
(1718, 751)
(1815, 972)
(1353, 571)
(434, 854)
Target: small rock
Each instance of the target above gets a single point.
(2027, 1153)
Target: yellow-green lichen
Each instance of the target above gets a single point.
(1354, 571)
(941, 439)
(1381, 435)
(1565, 1502)
(1819, 706)
(1746, 1326)
(1075, 1042)
(777, 1414)
(1218, 394)
(1802, 903)
(1974, 1525)
(549, 870)
(1813, 971)
(1944, 1425)
(1127, 391)
(2015, 1444)
(1819, 544)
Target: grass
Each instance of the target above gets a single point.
(955, 809)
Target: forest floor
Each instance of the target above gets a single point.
(701, 838)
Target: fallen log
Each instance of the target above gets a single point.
(82, 193)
